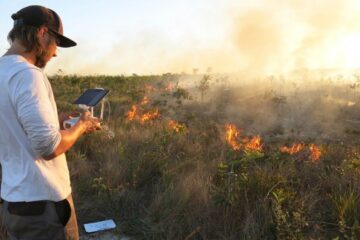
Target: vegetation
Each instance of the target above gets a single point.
(186, 174)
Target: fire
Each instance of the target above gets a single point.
(145, 101)
(149, 116)
(315, 152)
(295, 148)
(136, 110)
(232, 134)
(233, 139)
(177, 127)
(254, 144)
(174, 125)
(131, 115)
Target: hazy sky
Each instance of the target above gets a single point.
(158, 36)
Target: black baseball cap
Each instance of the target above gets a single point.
(38, 16)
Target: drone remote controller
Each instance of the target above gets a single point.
(70, 122)
(86, 101)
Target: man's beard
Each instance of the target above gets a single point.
(40, 60)
(41, 57)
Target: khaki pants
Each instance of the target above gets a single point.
(44, 220)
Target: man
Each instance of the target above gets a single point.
(35, 178)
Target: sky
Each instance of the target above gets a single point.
(157, 36)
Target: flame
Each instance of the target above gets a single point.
(177, 127)
(295, 148)
(149, 116)
(131, 115)
(315, 152)
(174, 125)
(134, 113)
(254, 144)
(145, 101)
(232, 134)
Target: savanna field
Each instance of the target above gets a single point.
(220, 157)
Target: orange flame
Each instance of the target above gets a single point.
(254, 144)
(145, 101)
(295, 148)
(131, 115)
(177, 127)
(149, 116)
(232, 134)
(315, 152)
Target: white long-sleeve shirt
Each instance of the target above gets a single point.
(29, 129)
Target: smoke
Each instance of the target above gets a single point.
(270, 37)
(281, 36)
(151, 52)
(260, 40)
(326, 112)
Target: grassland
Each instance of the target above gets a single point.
(175, 175)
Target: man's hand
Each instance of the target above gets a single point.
(89, 123)
(86, 124)
(66, 116)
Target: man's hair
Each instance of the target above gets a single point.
(27, 35)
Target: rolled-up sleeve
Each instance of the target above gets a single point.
(35, 112)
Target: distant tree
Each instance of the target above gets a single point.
(60, 72)
(204, 86)
(355, 85)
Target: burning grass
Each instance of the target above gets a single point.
(219, 165)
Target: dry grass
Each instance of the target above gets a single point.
(191, 185)
(161, 184)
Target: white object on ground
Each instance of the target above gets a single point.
(99, 226)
